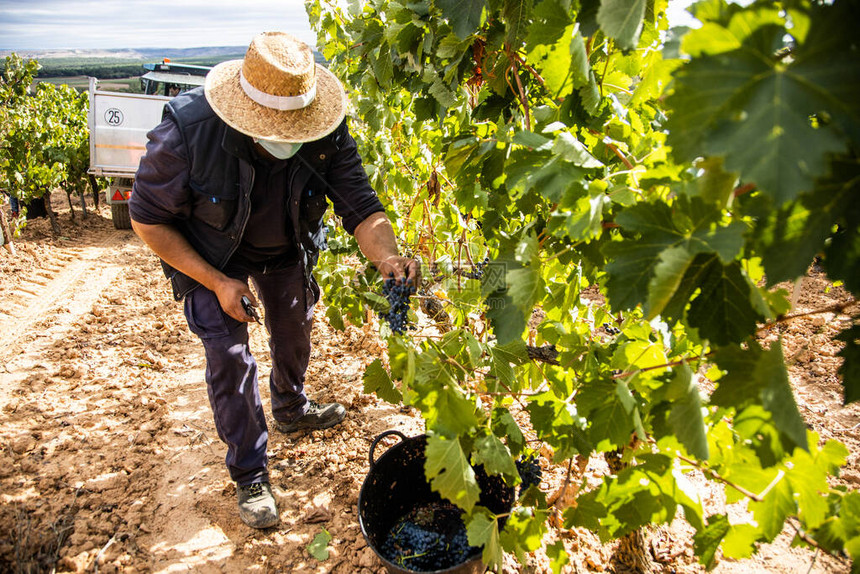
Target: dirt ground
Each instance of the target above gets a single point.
(109, 460)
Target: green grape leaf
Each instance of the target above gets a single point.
(711, 38)
(514, 352)
(446, 409)
(505, 426)
(450, 473)
(707, 541)
(495, 456)
(770, 514)
(482, 529)
(502, 357)
(842, 532)
(550, 22)
(740, 541)
(622, 21)
(517, 15)
(507, 319)
(574, 151)
(842, 253)
(638, 354)
(686, 418)
(532, 140)
(465, 16)
(726, 104)
(715, 185)
(335, 318)
(850, 368)
(376, 380)
(670, 236)
(587, 513)
(524, 531)
(827, 58)
(849, 515)
(646, 493)
(525, 286)
(382, 66)
(443, 93)
(669, 272)
(808, 481)
(503, 371)
(458, 155)
(611, 425)
(585, 220)
(558, 557)
(318, 548)
(552, 179)
(553, 62)
(723, 311)
(789, 237)
(630, 269)
(557, 422)
(755, 375)
(580, 67)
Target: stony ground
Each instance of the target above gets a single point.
(109, 460)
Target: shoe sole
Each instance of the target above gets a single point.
(274, 522)
(287, 428)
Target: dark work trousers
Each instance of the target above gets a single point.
(231, 371)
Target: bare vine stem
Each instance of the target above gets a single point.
(835, 308)
(521, 92)
(561, 491)
(614, 149)
(717, 476)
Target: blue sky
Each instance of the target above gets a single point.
(57, 24)
(113, 24)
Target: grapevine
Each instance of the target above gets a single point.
(44, 136)
(583, 150)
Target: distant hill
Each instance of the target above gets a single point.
(133, 53)
(112, 64)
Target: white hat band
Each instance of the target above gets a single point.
(281, 103)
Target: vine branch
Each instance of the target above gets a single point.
(717, 476)
(837, 308)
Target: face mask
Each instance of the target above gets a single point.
(280, 150)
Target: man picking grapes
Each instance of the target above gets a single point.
(234, 186)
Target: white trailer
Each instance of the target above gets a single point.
(118, 124)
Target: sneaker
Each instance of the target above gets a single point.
(257, 506)
(318, 416)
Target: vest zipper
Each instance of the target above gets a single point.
(238, 238)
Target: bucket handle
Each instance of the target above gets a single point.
(379, 438)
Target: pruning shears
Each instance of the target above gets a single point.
(249, 308)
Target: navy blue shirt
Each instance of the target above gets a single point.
(268, 239)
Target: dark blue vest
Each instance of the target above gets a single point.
(221, 182)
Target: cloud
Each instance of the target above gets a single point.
(51, 24)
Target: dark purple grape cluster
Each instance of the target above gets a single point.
(478, 270)
(530, 471)
(398, 299)
(431, 537)
(612, 330)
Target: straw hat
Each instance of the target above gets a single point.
(277, 92)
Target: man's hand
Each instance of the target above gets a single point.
(230, 292)
(403, 269)
(376, 240)
(169, 244)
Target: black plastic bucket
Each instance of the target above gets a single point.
(396, 484)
